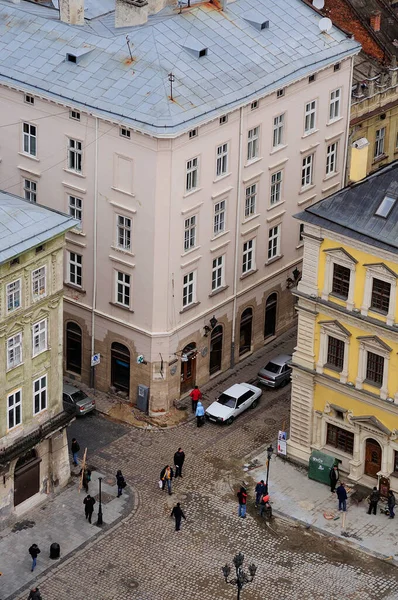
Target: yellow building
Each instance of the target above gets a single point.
(345, 366)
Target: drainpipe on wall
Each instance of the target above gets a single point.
(237, 230)
(347, 138)
(94, 302)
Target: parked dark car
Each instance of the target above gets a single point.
(276, 372)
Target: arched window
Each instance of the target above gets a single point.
(271, 307)
(73, 345)
(245, 337)
(216, 349)
(120, 367)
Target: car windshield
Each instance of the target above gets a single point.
(272, 367)
(76, 396)
(226, 400)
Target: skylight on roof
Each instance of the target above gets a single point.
(385, 207)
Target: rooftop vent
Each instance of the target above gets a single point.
(256, 20)
(385, 206)
(74, 55)
(196, 48)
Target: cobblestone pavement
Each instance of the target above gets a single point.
(143, 558)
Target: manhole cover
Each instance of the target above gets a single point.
(105, 498)
(130, 584)
(22, 525)
(270, 422)
(146, 443)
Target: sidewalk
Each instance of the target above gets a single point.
(60, 519)
(295, 496)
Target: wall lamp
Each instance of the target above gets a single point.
(208, 328)
(293, 281)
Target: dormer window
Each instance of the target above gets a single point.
(29, 99)
(385, 207)
(193, 133)
(74, 114)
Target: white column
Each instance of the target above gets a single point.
(344, 372)
(391, 306)
(366, 294)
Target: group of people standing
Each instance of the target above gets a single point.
(166, 477)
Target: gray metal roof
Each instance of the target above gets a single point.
(242, 63)
(351, 211)
(24, 225)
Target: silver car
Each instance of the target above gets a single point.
(277, 372)
(76, 401)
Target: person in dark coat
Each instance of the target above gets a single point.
(179, 458)
(89, 502)
(34, 594)
(242, 498)
(177, 514)
(121, 483)
(391, 503)
(342, 496)
(373, 500)
(166, 475)
(261, 489)
(75, 449)
(86, 478)
(34, 551)
(334, 477)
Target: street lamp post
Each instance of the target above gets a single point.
(242, 578)
(270, 450)
(99, 519)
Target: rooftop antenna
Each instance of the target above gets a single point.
(171, 79)
(319, 4)
(128, 46)
(325, 25)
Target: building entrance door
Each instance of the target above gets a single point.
(373, 454)
(120, 367)
(188, 368)
(26, 477)
(73, 348)
(270, 315)
(215, 350)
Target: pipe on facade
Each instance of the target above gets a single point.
(348, 136)
(94, 302)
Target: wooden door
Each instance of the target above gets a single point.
(26, 477)
(215, 350)
(372, 458)
(73, 348)
(188, 369)
(270, 315)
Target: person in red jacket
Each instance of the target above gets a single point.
(196, 395)
(242, 498)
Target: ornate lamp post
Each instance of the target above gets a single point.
(99, 519)
(242, 578)
(270, 451)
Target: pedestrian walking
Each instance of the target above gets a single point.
(260, 489)
(200, 414)
(196, 395)
(177, 514)
(75, 449)
(89, 502)
(86, 478)
(391, 503)
(34, 594)
(373, 500)
(34, 551)
(179, 458)
(334, 477)
(242, 498)
(342, 496)
(166, 475)
(121, 483)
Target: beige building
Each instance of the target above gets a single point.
(33, 445)
(184, 163)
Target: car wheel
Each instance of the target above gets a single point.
(230, 420)
(254, 403)
(284, 382)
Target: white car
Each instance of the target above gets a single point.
(232, 402)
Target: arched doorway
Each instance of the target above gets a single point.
(73, 345)
(26, 477)
(215, 349)
(271, 307)
(373, 453)
(188, 368)
(120, 367)
(245, 336)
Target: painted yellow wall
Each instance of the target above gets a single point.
(359, 163)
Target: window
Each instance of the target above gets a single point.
(250, 201)
(123, 132)
(75, 269)
(193, 133)
(191, 174)
(385, 207)
(340, 438)
(248, 257)
(341, 281)
(123, 289)
(274, 242)
(219, 217)
(39, 335)
(30, 189)
(301, 232)
(335, 353)
(307, 170)
(217, 274)
(29, 99)
(310, 114)
(222, 160)
(14, 409)
(14, 351)
(396, 461)
(311, 78)
(331, 158)
(13, 292)
(29, 139)
(336, 67)
(75, 207)
(276, 187)
(374, 368)
(40, 394)
(75, 155)
(40, 248)
(74, 114)
(252, 143)
(39, 283)
(223, 119)
(254, 105)
(380, 299)
(188, 289)
(334, 105)
(14, 262)
(379, 142)
(280, 93)
(190, 233)
(123, 232)
(277, 139)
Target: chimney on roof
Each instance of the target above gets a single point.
(375, 20)
(135, 12)
(72, 11)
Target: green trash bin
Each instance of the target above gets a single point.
(319, 466)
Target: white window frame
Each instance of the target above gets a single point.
(219, 217)
(40, 394)
(307, 170)
(39, 337)
(29, 139)
(248, 256)
(75, 155)
(379, 271)
(274, 242)
(334, 257)
(217, 273)
(191, 174)
(380, 139)
(16, 395)
(278, 131)
(374, 345)
(14, 292)
(74, 114)
(190, 230)
(251, 200)
(333, 329)
(123, 289)
(75, 206)
(222, 160)
(253, 143)
(14, 351)
(334, 104)
(124, 226)
(39, 283)
(310, 116)
(189, 289)
(30, 190)
(276, 187)
(75, 269)
(331, 158)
